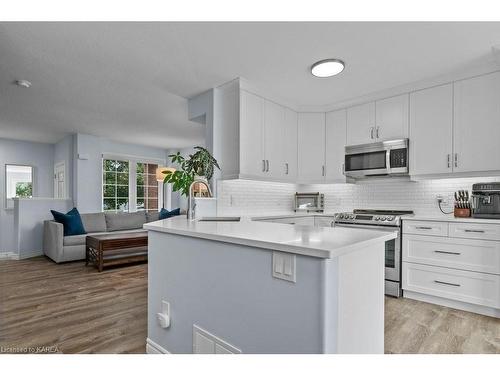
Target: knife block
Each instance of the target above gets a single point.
(461, 212)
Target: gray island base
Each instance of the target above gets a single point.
(255, 287)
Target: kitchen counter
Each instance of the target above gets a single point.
(321, 242)
(263, 287)
(452, 219)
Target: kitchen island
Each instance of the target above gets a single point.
(261, 287)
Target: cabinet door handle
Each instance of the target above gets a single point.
(376, 131)
(371, 132)
(449, 160)
(323, 170)
(263, 165)
(343, 169)
(424, 228)
(473, 230)
(456, 160)
(446, 252)
(446, 283)
(286, 166)
(267, 165)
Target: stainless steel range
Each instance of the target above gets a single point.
(388, 220)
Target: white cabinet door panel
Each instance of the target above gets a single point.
(335, 133)
(274, 143)
(311, 146)
(290, 144)
(475, 230)
(477, 124)
(428, 228)
(391, 119)
(251, 135)
(361, 124)
(431, 130)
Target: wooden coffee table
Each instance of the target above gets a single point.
(116, 248)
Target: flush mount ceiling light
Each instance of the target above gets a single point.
(327, 68)
(23, 83)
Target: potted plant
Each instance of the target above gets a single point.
(200, 165)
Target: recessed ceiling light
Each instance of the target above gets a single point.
(327, 68)
(23, 83)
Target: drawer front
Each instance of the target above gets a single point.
(429, 228)
(473, 230)
(464, 254)
(323, 221)
(472, 287)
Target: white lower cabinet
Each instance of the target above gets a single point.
(452, 261)
(465, 286)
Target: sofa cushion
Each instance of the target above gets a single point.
(165, 214)
(152, 216)
(71, 222)
(81, 239)
(94, 222)
(124, 221)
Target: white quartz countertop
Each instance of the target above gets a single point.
(452, 219)
(321, 242)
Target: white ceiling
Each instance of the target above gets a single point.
(129, 81)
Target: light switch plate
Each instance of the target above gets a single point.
(284, 266)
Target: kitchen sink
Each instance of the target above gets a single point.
(220, 218)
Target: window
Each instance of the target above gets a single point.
(18, 183)
(147, 187)
(115, 185)
(130, 185)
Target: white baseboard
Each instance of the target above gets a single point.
(483, 310)
(9, 255)
(153, 348)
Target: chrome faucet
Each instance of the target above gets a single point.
(191, 204)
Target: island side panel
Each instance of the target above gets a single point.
(228, 290)
(361, 300)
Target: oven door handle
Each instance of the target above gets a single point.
(385, 228)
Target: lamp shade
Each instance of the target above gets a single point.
(160, 175)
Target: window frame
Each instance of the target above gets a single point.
(33, 188)
(132, 179)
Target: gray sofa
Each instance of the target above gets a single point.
(62, 248)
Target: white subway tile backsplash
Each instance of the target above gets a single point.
(244, 197)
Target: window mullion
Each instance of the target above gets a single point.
(132, 183)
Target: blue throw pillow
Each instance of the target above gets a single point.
(165, 214)
(71, 221)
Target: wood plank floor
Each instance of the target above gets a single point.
(73, 308)
(78, 310)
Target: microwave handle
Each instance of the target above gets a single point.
(388, 160)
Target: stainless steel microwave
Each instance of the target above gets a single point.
(377, 159)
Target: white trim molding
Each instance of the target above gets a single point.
(9, 255)
(153, 348)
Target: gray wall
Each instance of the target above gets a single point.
(38, 155)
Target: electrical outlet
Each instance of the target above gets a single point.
(440, 198)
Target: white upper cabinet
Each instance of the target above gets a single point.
(431, 130)
(274, 147)
(335, 137)
(477, 124)
(378, 121)
(361, 124)
(252, 161)
(289, 142)
(311, 147)
(391, 118)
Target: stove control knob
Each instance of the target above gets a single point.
(377, 218)
(351, 217)
(390, 218)
(383, 218)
